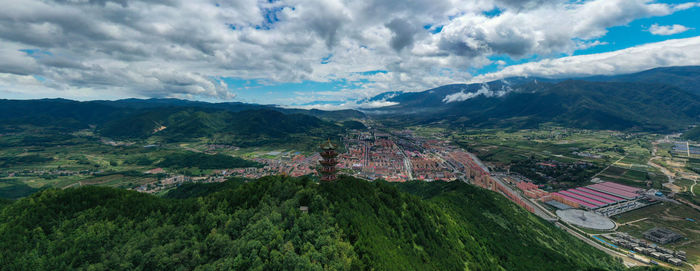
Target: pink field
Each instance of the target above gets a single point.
(621, 187)
(591, 196)
(576, 200)
(613, 191)
(601, 194)
(591, 201)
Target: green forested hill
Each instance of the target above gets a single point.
(351, 225)
(245, 128)
(570, 103)
(692, 134)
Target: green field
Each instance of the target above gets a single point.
(506, 148)
(29, 162)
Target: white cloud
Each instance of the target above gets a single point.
(181, 48)
(344, 105)
(677, 52)
(483, 91)
(665, 30)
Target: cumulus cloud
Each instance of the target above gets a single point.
(676, 52)
(665, 30)
(183, 48)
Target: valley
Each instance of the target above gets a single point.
(573, 178)
(553, 158)
(445, 135)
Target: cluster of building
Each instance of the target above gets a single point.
(292, 164)
(218, 147)
(531, 190)
(626, 241)
(398, 157)
(662, 236)
(374, 156)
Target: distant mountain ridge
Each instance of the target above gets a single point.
(655, 100)
(76, 113)
(172, 120)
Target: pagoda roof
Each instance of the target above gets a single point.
(328, 145)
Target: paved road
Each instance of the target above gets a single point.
(538, 209)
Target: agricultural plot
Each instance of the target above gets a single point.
(591, 151)
(634, 176)
(29, 163)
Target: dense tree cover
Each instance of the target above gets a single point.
(245, 128)
(71, 115)
(170, 120)
(509, 236)
(692, 134)
(14, 189)
(256, 226)
(350, 225)
(205, 161)
(192, 190)
(353, 124)
(23, 160)
(565, 174)
(4, 202)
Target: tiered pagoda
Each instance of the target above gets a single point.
(328, 162)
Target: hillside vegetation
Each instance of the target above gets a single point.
(692, 134)
(350, 225)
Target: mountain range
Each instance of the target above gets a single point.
(660, 99)
(172, 120)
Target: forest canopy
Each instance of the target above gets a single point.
(350, 224)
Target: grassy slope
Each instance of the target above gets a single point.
(351, 224)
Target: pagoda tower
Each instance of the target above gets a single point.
(328, 162)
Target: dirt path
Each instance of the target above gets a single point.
(663, 170)
(606, 168)
(71, 185)
(633, 221)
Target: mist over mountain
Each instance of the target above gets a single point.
(640, 101)
(661, 99)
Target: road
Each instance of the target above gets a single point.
(627, 261)
(538, 209)
(547, 215)
(670, 175)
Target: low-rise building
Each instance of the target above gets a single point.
(675, 261)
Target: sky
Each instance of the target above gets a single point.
(327, 54)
